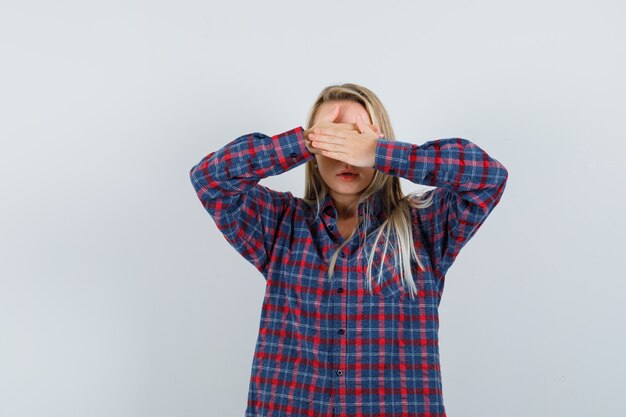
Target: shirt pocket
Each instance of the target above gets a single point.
(391, 284)
(389, 287)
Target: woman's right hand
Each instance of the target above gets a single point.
(327, 119)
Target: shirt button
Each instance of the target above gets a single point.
(339, 290)
(293, 154)
(341, 331)
(413, 146)
(343, 255)
(339, 372)
(331, 227)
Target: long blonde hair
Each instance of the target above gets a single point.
(397, 225)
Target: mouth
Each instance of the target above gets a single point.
(348, 176)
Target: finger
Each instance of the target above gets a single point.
(333, 154)
(316, 150)
(359, 124)
(344, 126)
(323, 146)
(331, 115)
(363, 127)
(324, 138)
(327, 115)
(329, 134)
(335, 113)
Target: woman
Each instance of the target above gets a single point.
(355, 270)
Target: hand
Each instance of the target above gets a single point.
(327, 120)
(357, 148)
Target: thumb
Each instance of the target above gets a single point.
(363, 127)
(332, 116)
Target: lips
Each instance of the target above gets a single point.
(347, 176)
(347, 171)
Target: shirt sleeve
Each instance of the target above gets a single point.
(469, 185)
(249, 214)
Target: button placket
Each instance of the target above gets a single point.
(341, 305)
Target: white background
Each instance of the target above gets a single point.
(119, 296)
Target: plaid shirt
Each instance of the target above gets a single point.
(328, 347)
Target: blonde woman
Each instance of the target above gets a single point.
(355, 270)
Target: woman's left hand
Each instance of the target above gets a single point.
(356, 149)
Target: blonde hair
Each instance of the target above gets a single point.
(397, 226)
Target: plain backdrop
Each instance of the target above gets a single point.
(119, 296)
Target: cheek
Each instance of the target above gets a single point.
(320, 161)
(324, 161)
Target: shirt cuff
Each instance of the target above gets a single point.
(290, 147)
(393, 156)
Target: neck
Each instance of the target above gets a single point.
(342, 202)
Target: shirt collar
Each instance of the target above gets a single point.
(328, 208)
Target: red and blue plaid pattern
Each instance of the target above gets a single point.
(328, 347)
